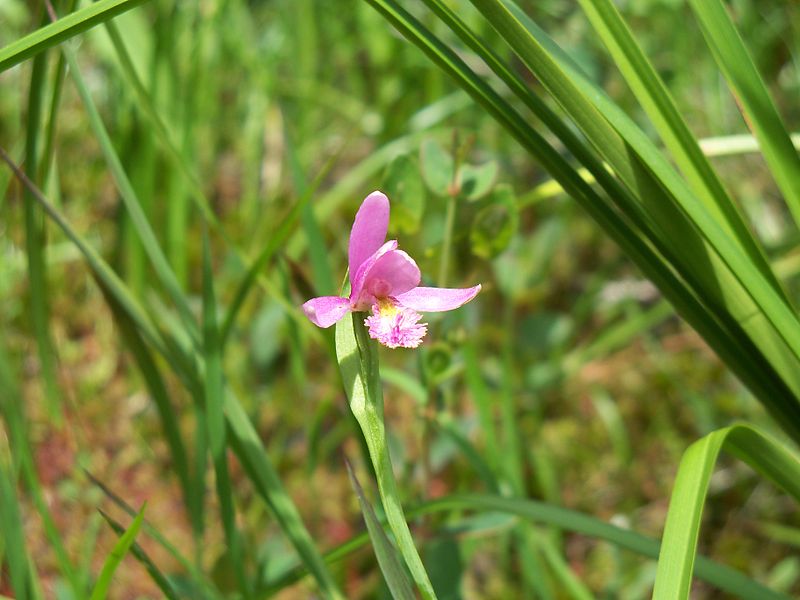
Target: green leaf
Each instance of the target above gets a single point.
(115, 557)
(393, 572)
(404, 187)
(494, 226)
(437, 167)
(759, 110)
(62, 29)
(475, 181)
(679, 542)
(358, 364)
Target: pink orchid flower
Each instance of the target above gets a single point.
(384, 280)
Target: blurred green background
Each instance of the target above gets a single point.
(288, 113)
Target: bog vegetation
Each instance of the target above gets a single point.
(615, 415)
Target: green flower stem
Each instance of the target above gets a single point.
(358, 363)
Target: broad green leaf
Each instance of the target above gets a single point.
(679, 542)
(495, 224)
(115, 557)
(404, 187)
(437, 167)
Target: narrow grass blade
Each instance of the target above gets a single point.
(156, 386)
(20, 570)
(759, 111)
(113, 560)
(679, 140)
(358, 364)
(62, 29)
(393, 571)
(36, 244)
(131, 202)
(197, 576)
(248, 448)
(215, 419)
(158, 577)
(679, 543)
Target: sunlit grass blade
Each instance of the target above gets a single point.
(760, 113)
(358, 364)
(725, 337)
(679, 542)
(62, 29)
(675, 217)
(158, 577)
(393, 571)
(679, 140)
(115, 557)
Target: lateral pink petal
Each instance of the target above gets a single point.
(393, 273)
(431, 299)
(368, 232)
(357, 279)
(326, 310)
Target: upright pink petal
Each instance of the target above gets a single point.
(368, 232)
(357, 280)
(431, 299)
(326, 310)
(393, 273)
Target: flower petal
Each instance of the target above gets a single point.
(431, 299)
(393, 273)
(326, 310)
(357, 279)
(368, 232)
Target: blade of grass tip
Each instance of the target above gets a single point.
(358, 363)
(679, 542)
(62, 29)
(759, 111)
(115, 557)
(197, 575)
(131, 202)
(157, 576)
(251, 454)
(35, 242)
(215, 419)
(657, 102)
(393, 571)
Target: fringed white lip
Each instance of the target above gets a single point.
(395, 326)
